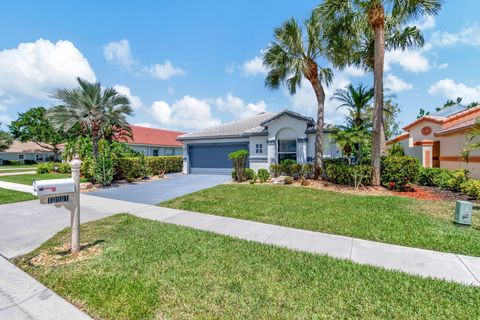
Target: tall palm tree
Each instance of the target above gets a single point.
(370, 27)
(356, 100)
(95, 109)
(293, 56)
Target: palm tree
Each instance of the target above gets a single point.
(356, 99)
(98, 111)
(350, 140)
(359, 31)
(292, 57)
(472, 137)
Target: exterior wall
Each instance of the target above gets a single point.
(27, 156)
(330, 149)
(472, 167)
(451, 147)
(416, 131)
(414, 151)
(295, 129)
(162, 151)
(258, 160)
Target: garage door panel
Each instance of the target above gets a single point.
(213, 156)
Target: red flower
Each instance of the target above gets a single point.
(391, 184)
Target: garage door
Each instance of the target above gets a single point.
(213, 158)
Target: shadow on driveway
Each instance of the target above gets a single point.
(154, 192)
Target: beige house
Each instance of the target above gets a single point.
(25, 152)
(438, 139)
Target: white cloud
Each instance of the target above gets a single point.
(305, 101)
(354, 71)
(34, 69)
(135, 101)
(253, 67)
(427, 22)
(144, 124)
(164, 71)
(188, 113)
(4, 121)
(396, 84)
(410, 60)
(443, 66)
(469, 35)
(119, 52)
(451, 90)
(238, 107)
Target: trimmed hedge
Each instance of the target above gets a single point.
(131, 168)
(398, 172)
(48, 167)
(338, 171)
(443, 178)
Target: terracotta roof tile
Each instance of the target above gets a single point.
(154, 136)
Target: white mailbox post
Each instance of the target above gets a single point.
(64, 193)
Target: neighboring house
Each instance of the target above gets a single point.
(155, 142)
(269, 137)
(25, 152)
(438, 139)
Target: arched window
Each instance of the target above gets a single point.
(286, 145)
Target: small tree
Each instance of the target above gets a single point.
(239, 158)
(103, 168)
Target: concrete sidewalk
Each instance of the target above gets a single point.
(2, 174)
(22, 297)
(16, 186)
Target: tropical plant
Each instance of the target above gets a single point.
(293, 56)
(34, 126)
(360, 31)
(103, 168)
(263, 175)
(350, 140)
(99, 111)
(472, 137)
(6, 140)
(356, 100)
(239, 159)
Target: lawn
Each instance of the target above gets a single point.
(397, 220)
(18, 166)
(151, 270)
(10, 196)
(28, 178)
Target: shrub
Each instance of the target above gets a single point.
(43, 168)
(130, 168)
(234, 175)
(164, 164)
(443, 178)
(11, 162)
(103, 169)
(396, 150)
(87, 169)
(296, 170)
(249, 174)
(307, 170)
(398, 172)
(288, 180)
(304, 182)
(287, 166)
(276, 169)
(239, 158)
(63, 167)
(263, 175)
(340, 172)
(471, 188)
(29, 162)
(142, 166)
(254, 179)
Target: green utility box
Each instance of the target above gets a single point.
(463, 213)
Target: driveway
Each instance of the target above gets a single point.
(154, 192)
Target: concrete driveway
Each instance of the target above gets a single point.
(154, 192)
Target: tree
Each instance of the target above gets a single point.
(6, 140)
(422, 113)
(360, 31)
(391, 111)
(34, 126)
(292, 57)
(356, 100)
(99, 111)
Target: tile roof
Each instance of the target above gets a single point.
(25, 147)
(457, 127)
(154, 136)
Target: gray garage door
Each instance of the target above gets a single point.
(213, 158)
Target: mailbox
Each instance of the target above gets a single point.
(44, 188)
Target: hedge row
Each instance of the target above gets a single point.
(47, 167)
(338, 171)
(443, 178)
(132, 168)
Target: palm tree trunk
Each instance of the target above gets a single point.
(378, 131)
(320, 95)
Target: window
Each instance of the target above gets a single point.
(259, 148)
(169, 151)
(21, 156)
(39, 157)
(155, 152)
(287, 149)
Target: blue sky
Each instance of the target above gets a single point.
(188, 65)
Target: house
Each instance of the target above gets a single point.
(438, 139)
(155, 142)
(25, 152)
(269, 137)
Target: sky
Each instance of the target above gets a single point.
(189, 65)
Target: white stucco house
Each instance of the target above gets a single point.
(438, 139)
(269, 137)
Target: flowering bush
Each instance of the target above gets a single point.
(398, 172)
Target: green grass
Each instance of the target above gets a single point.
(18, 166)
(17, 170)
(10, 196)
(397, 220)
(28, 178)
(151, 270)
